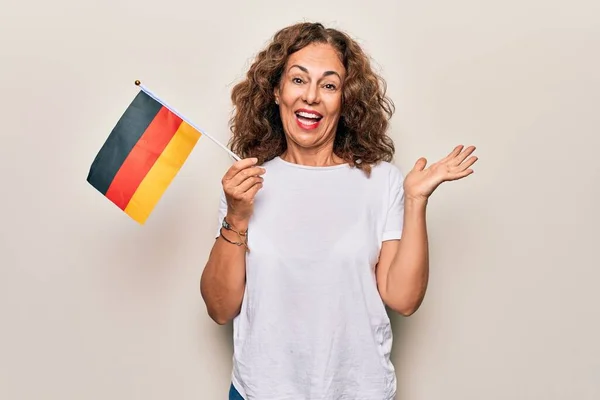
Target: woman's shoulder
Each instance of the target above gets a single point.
(387, 168)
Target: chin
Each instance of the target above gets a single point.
(308, 135)
(304, 142)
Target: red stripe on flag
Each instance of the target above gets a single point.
(142, 157)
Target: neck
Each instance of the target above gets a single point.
(322, 157)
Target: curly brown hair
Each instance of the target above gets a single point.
(361, 138)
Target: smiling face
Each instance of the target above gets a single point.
(310, 99)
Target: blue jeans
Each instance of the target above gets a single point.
(234, 394)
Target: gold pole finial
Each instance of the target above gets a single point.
(137, 82)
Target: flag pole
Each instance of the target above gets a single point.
(149, 93)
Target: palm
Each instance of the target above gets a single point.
(420, 182)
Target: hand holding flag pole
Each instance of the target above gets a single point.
(143, 154)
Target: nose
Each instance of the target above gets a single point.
(311, 94)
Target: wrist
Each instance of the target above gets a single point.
(238, 223)
(415, 202)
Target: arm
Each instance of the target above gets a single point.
(224, 277)
(223, 280)
(403, 267)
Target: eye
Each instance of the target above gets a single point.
(330, 86)
(297, 80)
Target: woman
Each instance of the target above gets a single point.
(308, 251)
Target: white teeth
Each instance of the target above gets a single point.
(307, 115)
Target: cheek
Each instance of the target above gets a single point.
(289, 95)
(333, 113)
(334, 108)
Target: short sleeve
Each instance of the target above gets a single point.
(395, 212)
(221, 213)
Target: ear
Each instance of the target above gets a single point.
(276, 94)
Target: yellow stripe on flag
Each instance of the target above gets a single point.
(162, 173)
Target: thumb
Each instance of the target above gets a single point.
(420, 164)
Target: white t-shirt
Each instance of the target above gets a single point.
(312, 324)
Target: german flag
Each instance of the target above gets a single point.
(141, 156)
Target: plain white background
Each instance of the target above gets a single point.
(93, 306)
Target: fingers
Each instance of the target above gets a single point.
(457, 155)
(245, 174)
(460, 175)
(458, 163)
(455, 167)
(245, 192)
(240, 171)
(251, 193)
(469, 162)
(239, 166)
(456, 151)
(241, 189)
(459, 158)
(243, 180)
(462, 170)
(420, 164)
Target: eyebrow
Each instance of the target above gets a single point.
(326, 73)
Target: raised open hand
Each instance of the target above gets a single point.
(420, 182)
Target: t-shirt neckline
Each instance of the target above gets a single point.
(311, 167)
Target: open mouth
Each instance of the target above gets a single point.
(308, 119)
